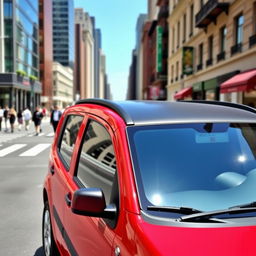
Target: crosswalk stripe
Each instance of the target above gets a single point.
(11, 149)
(50, 134)
(36, 150)
(40, 134)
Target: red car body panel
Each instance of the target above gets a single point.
(132, 234)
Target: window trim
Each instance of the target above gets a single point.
(110, 222)
(58, 145)
(89, 120)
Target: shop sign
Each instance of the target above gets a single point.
(159, 49)
(187, 60)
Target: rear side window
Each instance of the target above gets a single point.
(97, 162)
(69, 136)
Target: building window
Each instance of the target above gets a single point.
(223, 38)
(178, 35)
(252, 39)
(177, 71)
(172, 74)
(254, 17)
(210, 51)
(200, 57)
(239, 22)
(191, 19)
(173, 39)
(184, 27)
(222, 44)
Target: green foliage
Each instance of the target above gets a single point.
(33, 78)
(21, 73)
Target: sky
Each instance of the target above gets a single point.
(117, 20)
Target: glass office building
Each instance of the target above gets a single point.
(19, 86)
(63, 32)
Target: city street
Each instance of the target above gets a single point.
(23, 164)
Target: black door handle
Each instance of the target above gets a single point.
(68, 199)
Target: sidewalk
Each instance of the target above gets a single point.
(7, 135)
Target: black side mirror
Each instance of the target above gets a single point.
(91, 202)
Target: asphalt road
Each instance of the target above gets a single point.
(23, 165)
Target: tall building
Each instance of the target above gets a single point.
(19, 53)
(139, 53)
(62, 85)
(63, 32)
(97, 52)
(212, 50)
(84, 64)
(155, 49)
(46, 56)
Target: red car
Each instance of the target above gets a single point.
(152, 178)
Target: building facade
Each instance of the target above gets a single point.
(46, 54)
(155, 52)
(63, 32)
(211, 42)
(84, 65)
(139, 56)
(19, 50)
(62, 85)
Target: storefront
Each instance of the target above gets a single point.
(184, 94)
(241, 88)
(19, 92)
(211, 89)
(198, 91)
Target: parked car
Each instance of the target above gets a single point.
(152, 178)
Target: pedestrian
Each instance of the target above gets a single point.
(27, 117)
(55, 117)
(20, 119)
(37, 118)
(12, 118)
(6, 117)
(1, 117)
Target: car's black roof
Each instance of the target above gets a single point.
(166, 112)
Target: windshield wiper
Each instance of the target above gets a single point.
(249, 205)
(182, 210)
(202, 216)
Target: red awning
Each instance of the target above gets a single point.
(186, 92)
(245, 81)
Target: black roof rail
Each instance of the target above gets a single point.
(223, 103)
(110, 104)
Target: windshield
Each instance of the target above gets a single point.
(206, 166)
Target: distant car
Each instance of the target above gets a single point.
(152, 178)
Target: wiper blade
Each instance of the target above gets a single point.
(202, 216)
(182, 210)
(249, 205)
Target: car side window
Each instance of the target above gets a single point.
(68, 138)
(97, 161)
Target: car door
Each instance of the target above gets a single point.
(96, 167)
(62, 153)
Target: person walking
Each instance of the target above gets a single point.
(12, 118)
(55, 117)
(27, 117)
(37, 119)
(20, 119)
(1, 117)
(6, 117)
